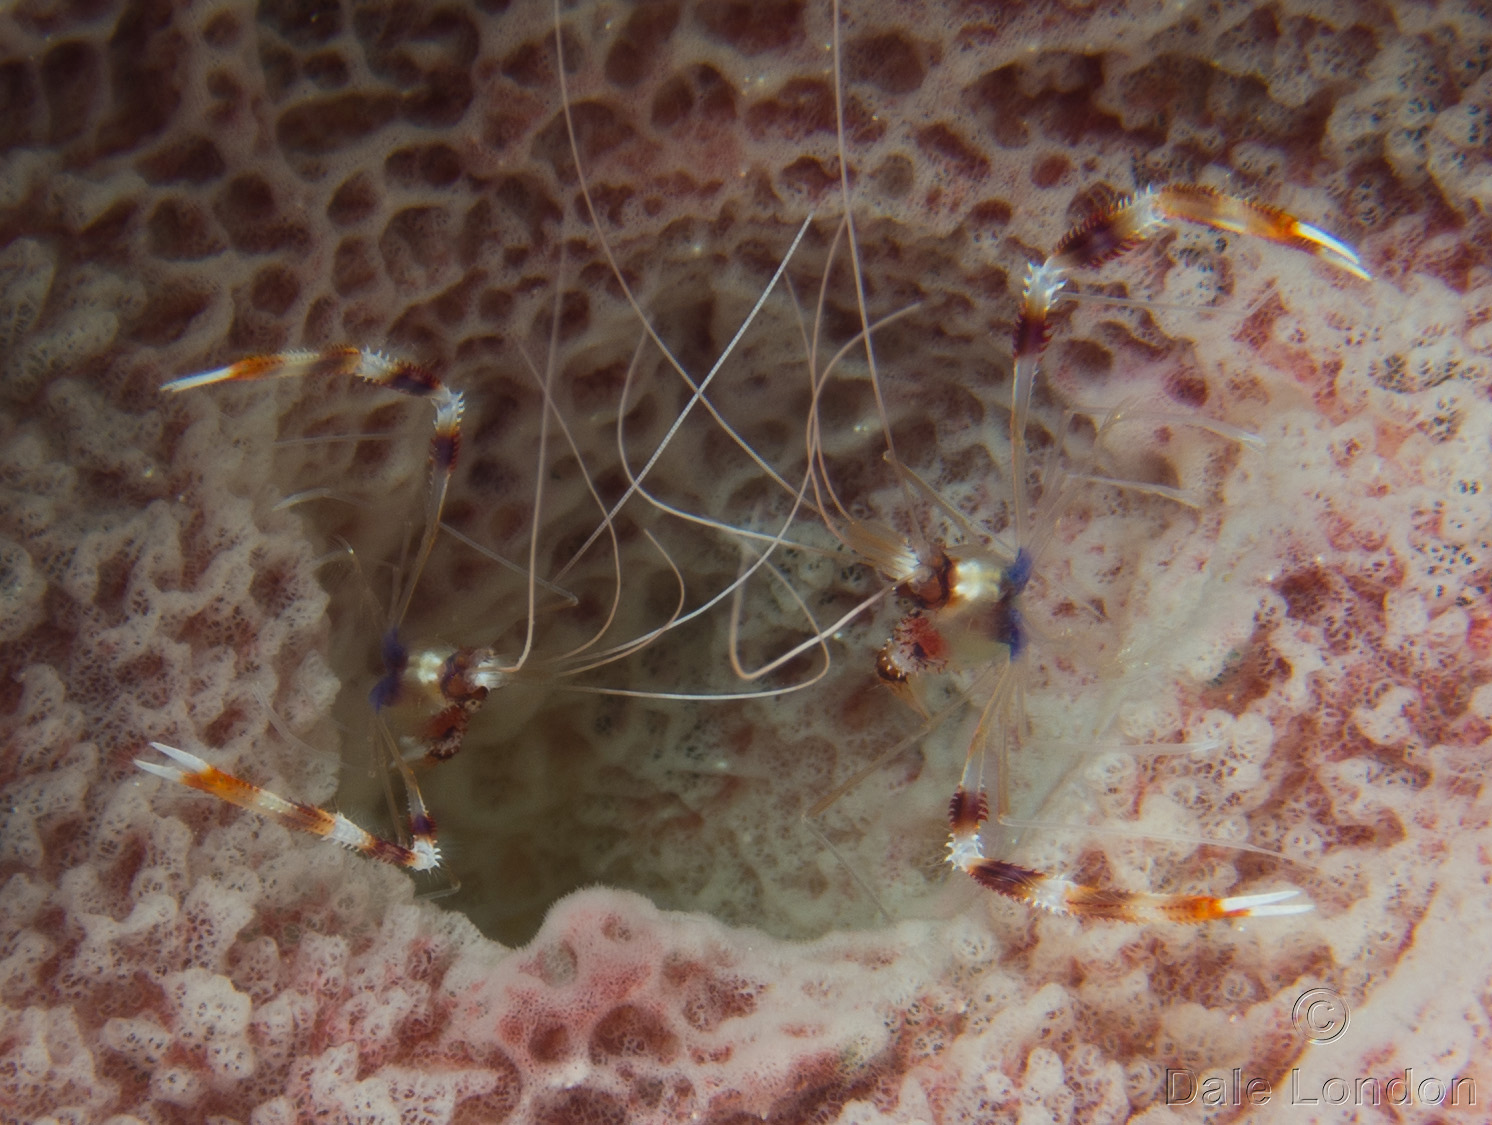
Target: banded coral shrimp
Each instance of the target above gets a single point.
(424, 699)
(523, 634)
(968, 606)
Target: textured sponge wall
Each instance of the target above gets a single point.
(180, 185)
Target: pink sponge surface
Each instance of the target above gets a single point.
(184, 184)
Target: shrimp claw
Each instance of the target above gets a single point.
(966, 816)
(422, 855)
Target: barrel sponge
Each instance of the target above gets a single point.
(181, 185)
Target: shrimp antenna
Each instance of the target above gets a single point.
(923, 545)
(697, 389)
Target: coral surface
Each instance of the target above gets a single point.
(182, 184)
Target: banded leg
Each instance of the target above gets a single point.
(422, 855)
(382, 371)
(1121, 228)
(967, 813)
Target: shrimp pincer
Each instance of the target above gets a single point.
(421, 855)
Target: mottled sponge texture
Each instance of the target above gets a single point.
(646, 928)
